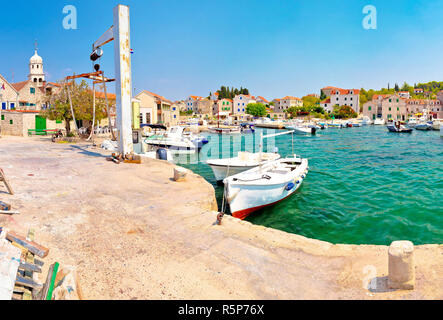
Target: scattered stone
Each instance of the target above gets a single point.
(180, 174)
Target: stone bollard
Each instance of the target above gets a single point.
(401, 265)
(180, 174)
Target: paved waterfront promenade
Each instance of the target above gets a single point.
(133, 233)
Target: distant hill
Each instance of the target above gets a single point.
(430, 91)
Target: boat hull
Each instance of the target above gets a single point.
(423, 127)
(392, 128)
(245, 199)
(300, 130)
(222, 172)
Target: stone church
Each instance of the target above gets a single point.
(21, 102)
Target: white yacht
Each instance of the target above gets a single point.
(379, 122)
(173, 139)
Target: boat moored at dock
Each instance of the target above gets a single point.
(266, 184)
(398, 127)
(223, 168)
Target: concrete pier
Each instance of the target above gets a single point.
(134, 233)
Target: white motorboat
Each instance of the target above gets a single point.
(365, 121)
(379, 122)
(264, 185)
(336, 125)
(437, 124)
(223, 168)
(174, 140)
(398, 127)
(226, 130)
(412, 122)
(302, 129)
(424, 126)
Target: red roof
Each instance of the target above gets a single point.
(328, 100)
(99, 94)
(329, 87)
(345, 91)
(19, 85)
(158, 96)
(375, 96)
(260, 97)
(291, 98)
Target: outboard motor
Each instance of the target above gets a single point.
(162, 154)
(313, 130)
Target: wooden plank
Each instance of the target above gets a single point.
(44, 292)
(19, 289)
(33, 247)
(29, 267)
(29, 260)
(17, 296)
(28, 283)
(27, 295)
(23, 249)
(9, 212)
(5, 181)
(5, 206)
(52, 283)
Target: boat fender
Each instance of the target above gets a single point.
(290, 186)
(297, 182)
(303, 176)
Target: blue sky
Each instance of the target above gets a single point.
(274, 48)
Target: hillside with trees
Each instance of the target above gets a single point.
(230, 93)
(430, 91)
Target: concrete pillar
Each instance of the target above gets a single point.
(401, 265)
(123, 78)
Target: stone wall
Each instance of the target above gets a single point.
(16, 123)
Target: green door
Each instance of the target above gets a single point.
(40, 123)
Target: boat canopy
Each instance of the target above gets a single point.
(154, 126)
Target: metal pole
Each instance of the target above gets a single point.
(123, 79)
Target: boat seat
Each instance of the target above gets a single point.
(280, 170)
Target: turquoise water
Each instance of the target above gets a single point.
(365, 185)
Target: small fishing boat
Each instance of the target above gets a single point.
(302, 129)
(226, 130)
(412, 122)
(247, 128)
(423, 126)
(379, 122)
(335, 125)
(264, 185)
(223, 168)
(398, 127)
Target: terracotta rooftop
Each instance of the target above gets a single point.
(260, 97)
(291, 98)
(161, 98)
(19, 85)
